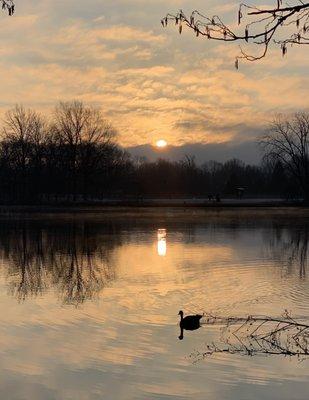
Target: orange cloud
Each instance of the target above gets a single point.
(149, 82)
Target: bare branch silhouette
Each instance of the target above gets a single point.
(74, 157)
(8, 5)
(287, 142)
(283, 24)
(258, 335)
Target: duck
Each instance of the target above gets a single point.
(190, 322)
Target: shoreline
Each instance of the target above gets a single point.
(103, 206)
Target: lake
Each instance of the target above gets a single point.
(90, 302)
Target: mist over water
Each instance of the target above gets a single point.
(90, 302)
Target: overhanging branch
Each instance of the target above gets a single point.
(8, 5)
(281, 25)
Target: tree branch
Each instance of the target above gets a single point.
(281, 25)
(8, 5)
(258, 335)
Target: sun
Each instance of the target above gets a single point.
(161, 143)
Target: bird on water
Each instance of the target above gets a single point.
(189, 323)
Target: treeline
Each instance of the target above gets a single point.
(185, 178)
(73, 156)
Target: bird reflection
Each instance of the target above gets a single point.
(162, 247)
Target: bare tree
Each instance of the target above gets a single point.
(76, 123)
(23, 137)
(287, 142)
(23, 130)
(8, 5)
(283, 24)
(80, 128)
(22, 124)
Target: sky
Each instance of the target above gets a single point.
(150, 82)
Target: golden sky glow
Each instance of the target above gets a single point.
(149, 81)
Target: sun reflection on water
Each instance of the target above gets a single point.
(162, 247)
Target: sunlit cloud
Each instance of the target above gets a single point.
(150, 82)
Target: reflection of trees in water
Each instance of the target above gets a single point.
(75, 259)
(290, 245)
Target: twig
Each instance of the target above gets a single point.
(267, 27)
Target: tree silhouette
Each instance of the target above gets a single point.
(287, 142)
(73, 156)
(23, 138)
(8, 5)
(283, 24)
(81, 130)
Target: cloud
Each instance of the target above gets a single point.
(150, 82)
(81, 34)
(237, 131)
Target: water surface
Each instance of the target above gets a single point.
(89, 302)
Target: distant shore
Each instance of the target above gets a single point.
(103, 205)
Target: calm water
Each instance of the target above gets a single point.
(89, 303)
